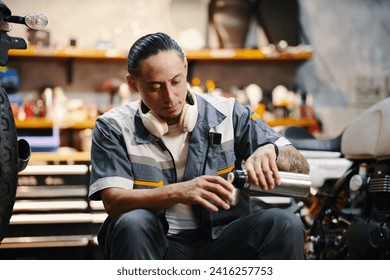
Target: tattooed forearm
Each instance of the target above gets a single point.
(291, 160)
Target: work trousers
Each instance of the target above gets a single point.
(269, 234)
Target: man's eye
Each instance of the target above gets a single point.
(155, 88)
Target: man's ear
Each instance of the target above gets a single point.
(186, 65)
(132, 83)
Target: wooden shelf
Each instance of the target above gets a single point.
(292, 122)
(204, 54)
(37, 157)
(68, 52)
(44, 123)
(68, 55)
(245, 55)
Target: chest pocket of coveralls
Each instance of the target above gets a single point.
(220, 157)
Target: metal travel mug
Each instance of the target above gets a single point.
(292, 184)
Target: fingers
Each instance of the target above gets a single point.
(212, 193)
(263, 176)
(262, 169)
(275, 172)
(213, 202)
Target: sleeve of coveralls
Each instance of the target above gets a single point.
(110, 164)
(251, 131)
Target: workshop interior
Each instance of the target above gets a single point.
(318, 72)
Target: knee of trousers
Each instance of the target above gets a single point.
(282, 220)
(135, 223)
(137, 234)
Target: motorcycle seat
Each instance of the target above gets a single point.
(301, 139)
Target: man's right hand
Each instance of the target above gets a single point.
(210, 192)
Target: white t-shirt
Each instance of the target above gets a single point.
(179, 216)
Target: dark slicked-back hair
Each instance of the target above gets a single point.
(148, 45)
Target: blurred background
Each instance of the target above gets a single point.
(349, 38)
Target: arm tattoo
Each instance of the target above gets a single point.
(291, 160)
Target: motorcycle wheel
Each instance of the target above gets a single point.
(8, 162)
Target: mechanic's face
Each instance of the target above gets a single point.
(162, 84)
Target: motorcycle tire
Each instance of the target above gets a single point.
(8, 162)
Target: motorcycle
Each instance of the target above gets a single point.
(349, 217)
(14, 152)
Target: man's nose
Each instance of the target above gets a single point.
(168, 93)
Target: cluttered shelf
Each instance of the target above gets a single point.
(64, 155)
(67, 132)
(292, 54)
(89, 123)
(69, 155)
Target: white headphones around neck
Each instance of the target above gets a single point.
(158, 127)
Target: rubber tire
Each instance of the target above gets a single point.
(8, 162)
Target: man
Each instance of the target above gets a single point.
(160, 166)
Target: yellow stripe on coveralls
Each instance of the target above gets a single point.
(255, 116)
(225, 170)
(149, 183)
